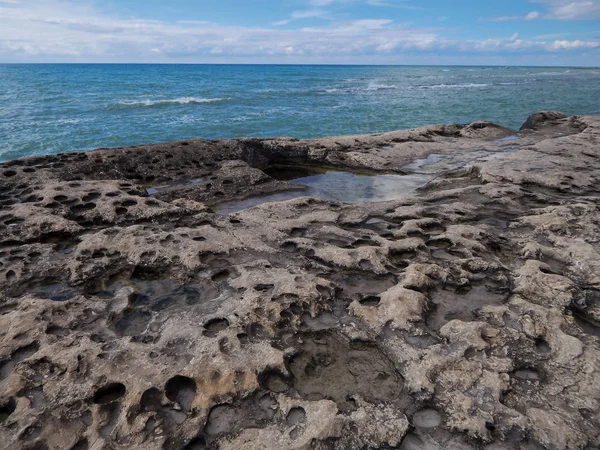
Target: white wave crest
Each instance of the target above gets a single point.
(453, 86)
(353, 90)
(380, 87)
(173, 101)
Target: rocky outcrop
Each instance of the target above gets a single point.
(551, 120)
(464, 316)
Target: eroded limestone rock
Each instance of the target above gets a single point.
(464, 316)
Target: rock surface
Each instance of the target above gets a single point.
(465, 316)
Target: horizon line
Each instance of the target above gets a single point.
(295, 64)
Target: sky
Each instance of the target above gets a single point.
(469, 32)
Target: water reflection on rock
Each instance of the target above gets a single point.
(339, 186)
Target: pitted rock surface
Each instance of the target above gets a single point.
(465, 316)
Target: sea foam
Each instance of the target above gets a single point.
(173, 101)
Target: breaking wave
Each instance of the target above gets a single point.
(173, 101)
(452, 86)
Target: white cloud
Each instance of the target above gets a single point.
(529, 16)
(68, 30)
(571, 10)
(306, 14)
(532, 15)
(569, 45)
(559, 10)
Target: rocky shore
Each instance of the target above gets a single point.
(465, 315)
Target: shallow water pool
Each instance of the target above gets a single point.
(337, 186)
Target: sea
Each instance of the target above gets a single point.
(53, 108)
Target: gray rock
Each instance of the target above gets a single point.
(130, 320)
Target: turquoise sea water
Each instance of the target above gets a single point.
(57, 108)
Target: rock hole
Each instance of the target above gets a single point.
(542, 345)
(14, 221)
(7, 307)
(151, 399)
(289, 247)
(218, 277)
(91, 197)
(365, 264)
(57, 331)
(215, 326)
(7, 409)
(181, 390)
(273, 380)
(328, 366)
(250, 413)
(440, 243)
(528, 374)
(364, 242)
(547, 271)
(196, 444)
(25, 352)
(298, 232)
(82, 444)
(109, 393)
(263, 287)
(338, 243)
(371, 300)
(398, 256)
(296, 416)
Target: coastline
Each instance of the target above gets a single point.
(86, 107)
(463, 313)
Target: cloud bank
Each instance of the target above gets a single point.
(78, 31)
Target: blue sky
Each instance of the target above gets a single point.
(506, 32)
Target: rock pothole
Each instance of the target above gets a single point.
(182, 390)
(109, 393)
(329, 366)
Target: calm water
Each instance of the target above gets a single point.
(338, 186)
(55, 108)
